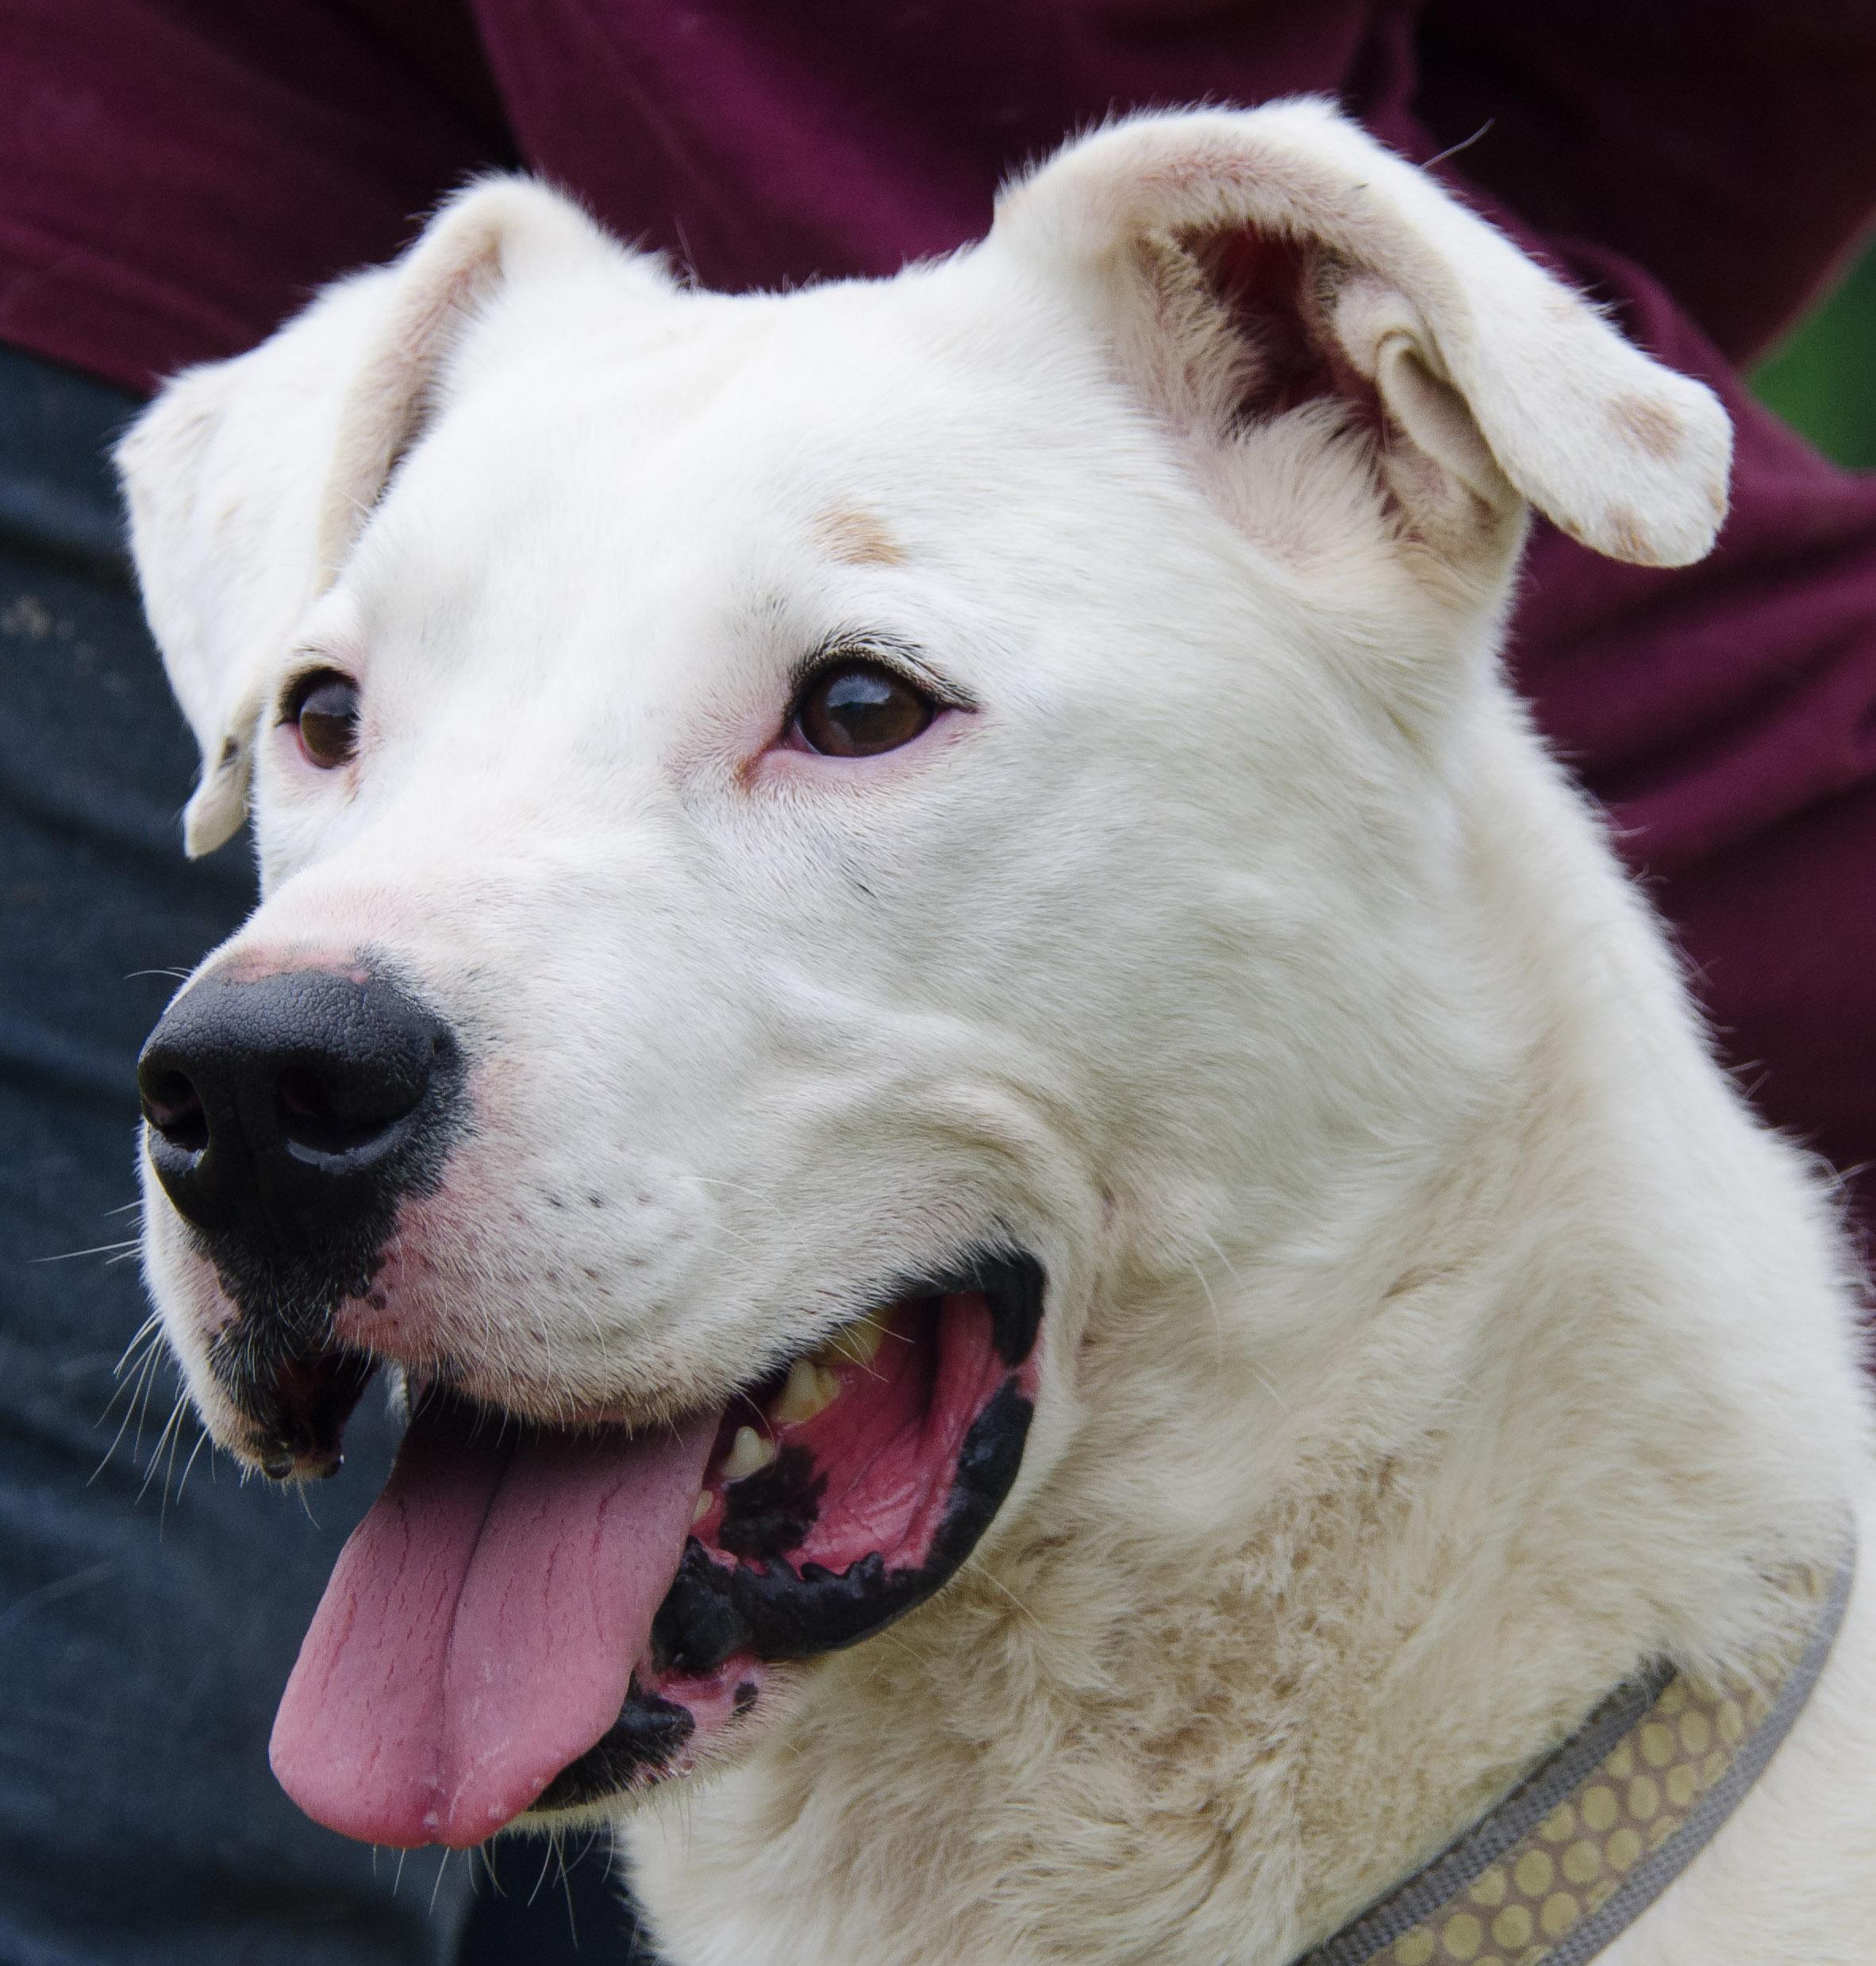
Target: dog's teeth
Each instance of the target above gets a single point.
(856, 1343)
(749, 1452)
(705, 1502)
(811, 1389)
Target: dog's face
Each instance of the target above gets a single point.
(801, 837)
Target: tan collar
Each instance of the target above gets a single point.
(1587, 1841)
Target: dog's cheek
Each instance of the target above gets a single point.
(294, 823)
(546, 1267)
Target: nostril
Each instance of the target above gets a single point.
(334, 1112)
(175, 1110)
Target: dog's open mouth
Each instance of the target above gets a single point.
(535, 1619)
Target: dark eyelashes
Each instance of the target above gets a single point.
(899, 658)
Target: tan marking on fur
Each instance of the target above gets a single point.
(1654, 429)
(858, 538)
(255, 965)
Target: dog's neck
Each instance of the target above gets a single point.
(1383, 1513)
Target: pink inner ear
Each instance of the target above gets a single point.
(1267, 286)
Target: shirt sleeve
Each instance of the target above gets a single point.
(1729, 146)
(1726, 715)
(176, 178)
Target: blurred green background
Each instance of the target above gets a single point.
(1823, 379)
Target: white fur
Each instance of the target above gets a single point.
(1433, 1333)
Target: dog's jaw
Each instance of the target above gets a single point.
(664, 1572)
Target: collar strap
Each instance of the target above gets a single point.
(1588, 1840)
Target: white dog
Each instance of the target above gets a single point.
(919, 981)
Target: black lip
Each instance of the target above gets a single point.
(776, 1612)
(766, 1606)
(644, 1741)
(298, 1406)
(773, 1611)
(1013, 1285)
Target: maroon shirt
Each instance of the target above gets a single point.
(177, 176)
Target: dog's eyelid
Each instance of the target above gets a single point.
(893, 653)
(309, 666)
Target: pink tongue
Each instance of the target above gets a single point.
(481, 1626)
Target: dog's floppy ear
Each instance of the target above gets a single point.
(225, 476)
(1251, 261)
(248, 481)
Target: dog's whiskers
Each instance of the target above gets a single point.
(201, 1440)
(547, 1857)
(766, 1196)
(140, 1388)
(1217, 1322)
(566, 1891)
(436, 1882)
(169, 1428)
(841, 1341)
(1270, 1385)
(977, 1568)
(488, 1868)
(137, 1388)
(143, 1332)
(97, 1249)
(169, 1468)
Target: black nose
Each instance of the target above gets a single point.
(295, 1108)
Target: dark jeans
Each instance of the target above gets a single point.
(147, 1623)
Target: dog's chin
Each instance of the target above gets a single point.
(537, 1625)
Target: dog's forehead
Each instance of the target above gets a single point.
(867, 424)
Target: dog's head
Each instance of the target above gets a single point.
(813, 847)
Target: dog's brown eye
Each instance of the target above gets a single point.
(324, 709)
(856, 709)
